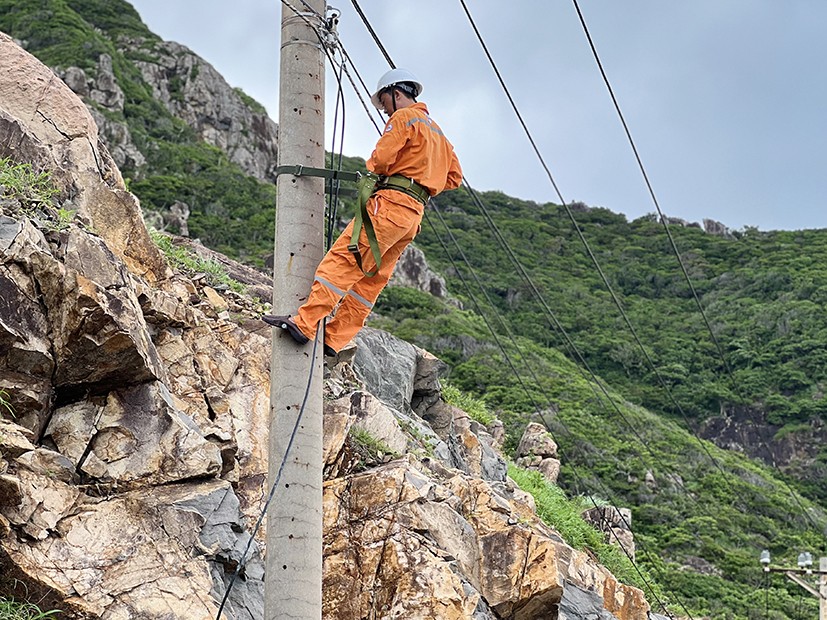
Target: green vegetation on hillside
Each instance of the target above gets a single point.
(763, 294)
(693, 504)
(230, 211)
(700, 514)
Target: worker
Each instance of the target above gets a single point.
(414, 161)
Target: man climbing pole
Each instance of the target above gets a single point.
(412, 162)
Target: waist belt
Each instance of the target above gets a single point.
(369, 183)
(405, 185)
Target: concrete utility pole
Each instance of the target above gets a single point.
(293, 581)
(805, 560)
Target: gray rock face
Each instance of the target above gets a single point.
(579, 604)
(195, 92)
(400, 374)
(136, 435)
(387, 365)
(413, 271)
(746, 430)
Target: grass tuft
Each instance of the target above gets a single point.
(474, 407)
(182, 259)
(13, 610)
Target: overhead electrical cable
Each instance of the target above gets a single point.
(589, 251)
(336, 164)
(483, 316)
(665, 224)
(239, 569)
(539, 411)
(663, 218)
(373, 33)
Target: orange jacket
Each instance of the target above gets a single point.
(414, 146)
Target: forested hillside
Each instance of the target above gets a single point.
(701, 513)
(762, 295)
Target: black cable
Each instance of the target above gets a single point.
(333, 197)
(373, 34)
(651, 190)
(240, 566)
(669, 232)
(387, 56)
(589, 251)
(528, 393)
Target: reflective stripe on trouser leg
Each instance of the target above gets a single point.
(335, 274)
(321, 301)
(394, 232)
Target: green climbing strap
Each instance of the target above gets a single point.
(366, 186)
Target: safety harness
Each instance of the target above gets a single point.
(369, 184)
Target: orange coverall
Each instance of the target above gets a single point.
(414, 146)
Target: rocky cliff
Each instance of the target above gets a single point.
(190, 89)
(133, 438)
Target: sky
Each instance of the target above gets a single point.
(726, 100)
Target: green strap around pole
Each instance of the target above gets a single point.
(367, 185)
(307, 171)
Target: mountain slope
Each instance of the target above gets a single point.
(763, 293)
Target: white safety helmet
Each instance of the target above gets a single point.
(396, 77)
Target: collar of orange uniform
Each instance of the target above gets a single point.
(414, 107)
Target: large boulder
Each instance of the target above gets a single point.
(45, 124)
(410, 541)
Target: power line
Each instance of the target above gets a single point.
(534, 403)
(271, 494)
(373, 33)
(667, 229)
(589, 251)
(494, 335)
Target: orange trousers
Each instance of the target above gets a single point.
(396, 218)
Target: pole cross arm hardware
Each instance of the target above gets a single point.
(800, 571)
(793, 577)
(805, 560)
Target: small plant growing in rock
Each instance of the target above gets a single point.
(32, 194)
(13, 610)
(182, 259)
(21, 182)
(474, 407)
(5, 404)
(370, 449)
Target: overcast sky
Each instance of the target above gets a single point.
(725, 99)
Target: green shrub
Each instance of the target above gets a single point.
(474, 407)
(564, 516)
